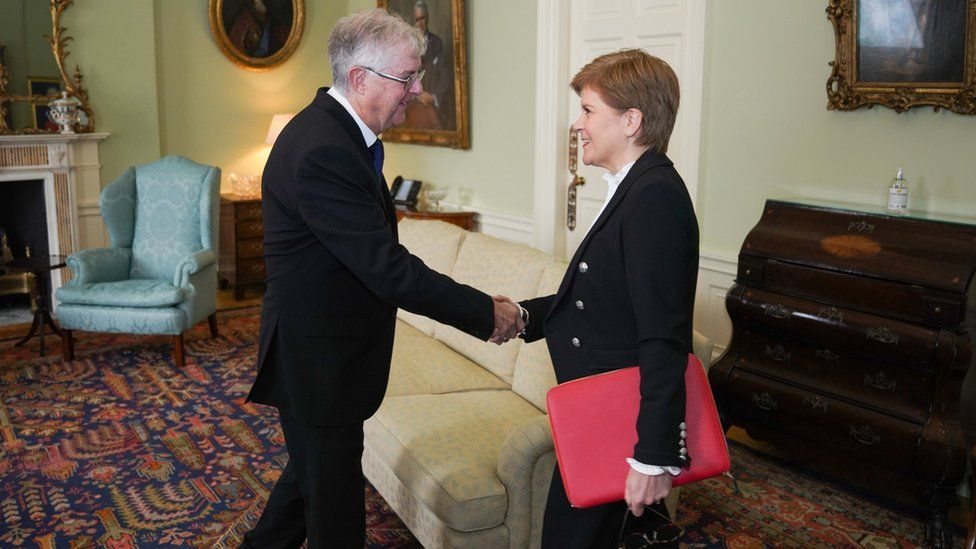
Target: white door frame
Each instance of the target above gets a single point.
(551, 128)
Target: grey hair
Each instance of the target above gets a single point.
(422, 6)
(368, 39)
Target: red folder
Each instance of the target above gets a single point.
(594, 428)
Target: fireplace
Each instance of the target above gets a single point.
(49, 187)
(23, 233)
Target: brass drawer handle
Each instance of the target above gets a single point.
(880, 381)
(828, 356)
(831, 314)
(884, 335)
(778, 353)
(865, 435)
(860, 226)
(776, 310)
(816, 402)
(764, 401)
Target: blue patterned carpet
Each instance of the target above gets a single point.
(120, 449)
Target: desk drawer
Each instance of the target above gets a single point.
(845, 428)
(252, 247)
(251, 269)
(884, 338)
(248, 211)
(249, 229)
(899, 391)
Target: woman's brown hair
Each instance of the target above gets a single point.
(634, 79)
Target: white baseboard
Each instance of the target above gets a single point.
(716, 274)
(514, 228)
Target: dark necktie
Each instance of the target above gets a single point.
(377, 150)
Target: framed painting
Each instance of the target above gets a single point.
(439, 115)
(257, 34)
(903, 54)
(48, 88)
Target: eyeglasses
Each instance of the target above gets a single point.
(407, 82)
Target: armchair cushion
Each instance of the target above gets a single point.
(122, 293)
(100, 265)
(168, 224)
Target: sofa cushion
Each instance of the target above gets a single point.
(436, 243)
(534, 374)
(122, 293)
(444, 449)
(406, 330)
(494, 267)
(423, 365)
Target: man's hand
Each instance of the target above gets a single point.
(426, 98)
(508, 320)
(641, 490)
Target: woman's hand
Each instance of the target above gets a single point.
(641, 490)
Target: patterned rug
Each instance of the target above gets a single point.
(120, 449)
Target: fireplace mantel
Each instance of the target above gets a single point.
(68, 165)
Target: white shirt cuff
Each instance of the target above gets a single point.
(652, 470)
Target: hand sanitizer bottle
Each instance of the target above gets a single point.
(898, 193)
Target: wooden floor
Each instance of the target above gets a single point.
(959, 514)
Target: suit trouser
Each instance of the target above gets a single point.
(321, 494)
(565, 527)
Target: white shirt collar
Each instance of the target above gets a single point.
(613, 180)
(368, 136)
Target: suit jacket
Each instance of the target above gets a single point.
(628, 298)
(336, 274)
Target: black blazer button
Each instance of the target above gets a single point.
(583, 267)
(579, 304)
(576, 342)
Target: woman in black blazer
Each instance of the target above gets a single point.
(629, 293)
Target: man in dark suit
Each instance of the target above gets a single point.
(336, 276)
(628, 296)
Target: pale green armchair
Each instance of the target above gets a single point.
(160, 274)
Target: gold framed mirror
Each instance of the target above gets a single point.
(29, 78)
(257, 35)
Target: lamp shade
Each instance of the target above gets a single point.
(278, 123)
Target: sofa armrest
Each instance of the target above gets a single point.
(523, 446)
(702, 347)
(191, 264)
(525, 463)
(100, 265)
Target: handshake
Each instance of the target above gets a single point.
(508, 320)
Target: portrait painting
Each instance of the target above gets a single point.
(257, 34)
(903, 54)
(911, 40)
(439, 115)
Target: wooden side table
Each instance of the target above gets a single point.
(241, 243)
(462, 219)
(39, 267)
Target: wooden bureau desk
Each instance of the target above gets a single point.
(852, 334)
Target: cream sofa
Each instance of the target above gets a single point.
(460, 447)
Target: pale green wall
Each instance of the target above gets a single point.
(215, 112)
(115, 49)
(499, 165)
(767, 132)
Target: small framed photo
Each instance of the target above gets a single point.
(49, 88)
(405, 191)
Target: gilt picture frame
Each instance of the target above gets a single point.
(257, 35)
(903, 54)
(439, 116)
